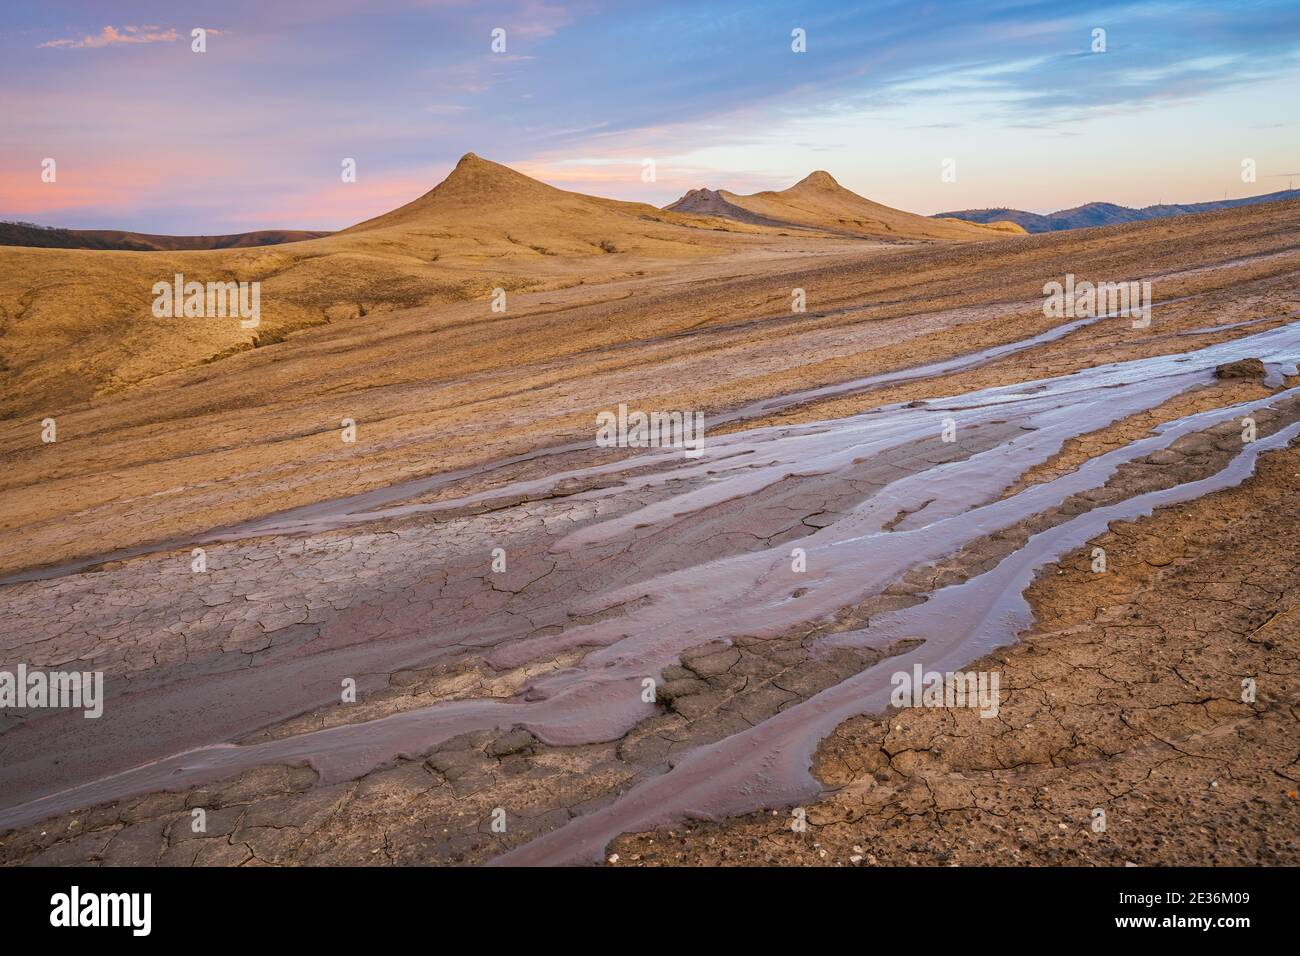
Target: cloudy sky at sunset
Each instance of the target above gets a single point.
(152, 137)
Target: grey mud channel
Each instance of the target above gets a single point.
(638, 629)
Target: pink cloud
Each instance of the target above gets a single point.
(111, 184)
(111, 35)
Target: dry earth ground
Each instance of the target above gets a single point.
(1126, 696)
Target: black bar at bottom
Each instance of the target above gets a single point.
(214, 906)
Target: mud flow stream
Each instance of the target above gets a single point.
(904, 497)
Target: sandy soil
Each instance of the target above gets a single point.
(437, 390)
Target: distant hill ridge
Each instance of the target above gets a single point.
(819, 203)
(1105, 213)
(50, 237)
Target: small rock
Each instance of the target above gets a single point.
(1242, 368)
(517, 741)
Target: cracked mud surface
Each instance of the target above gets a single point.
(501, 713)
(1125, 697)
(922, 779)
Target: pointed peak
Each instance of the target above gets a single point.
(474, 173)
(473, 182)
(473, 163)
(818, 179)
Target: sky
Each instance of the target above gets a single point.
(148, 135)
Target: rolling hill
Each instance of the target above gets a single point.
(76, 324)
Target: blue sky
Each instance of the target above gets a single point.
(151, 136)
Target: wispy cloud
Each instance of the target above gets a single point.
(111, 35)
(589, 88)
(536, 20)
